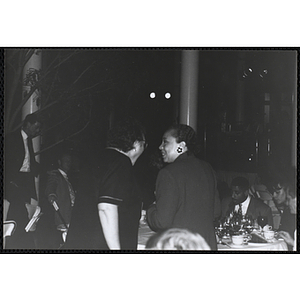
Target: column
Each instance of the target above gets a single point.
(31, 73)
(294, 117)
(189, 88)
(240, 92)
(294, 132)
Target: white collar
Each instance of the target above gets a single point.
(245, 203)
(62, 172)
(24, 134)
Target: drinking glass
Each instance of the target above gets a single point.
(262, 221)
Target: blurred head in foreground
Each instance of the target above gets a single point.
(177, 239)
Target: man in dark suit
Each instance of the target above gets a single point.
(60, 193)
(20, 170)
(241, 200)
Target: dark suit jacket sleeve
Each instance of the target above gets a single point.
(52, 183)
(258, 208)
(225, 204)
(160, 216)
(263, 210)
(269, 215)
(14, 154)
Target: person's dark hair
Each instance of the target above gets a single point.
(58, 157)
(124, 134)
(177, 239)
(287, 184)
(241, 182)
(185, 133)
(32, 119)
(282, 178)
(61, 155)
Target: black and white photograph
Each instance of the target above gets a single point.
(147, 149)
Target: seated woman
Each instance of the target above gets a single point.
(177, 239)
(284, 196)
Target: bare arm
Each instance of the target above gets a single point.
(108, 214)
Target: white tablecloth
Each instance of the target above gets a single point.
(144, 234)
(276, 246)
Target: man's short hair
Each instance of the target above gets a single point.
(241, 182)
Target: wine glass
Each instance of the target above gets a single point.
(262, 221)
(249, 223)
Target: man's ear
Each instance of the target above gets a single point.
(183, 145)
(135, 145)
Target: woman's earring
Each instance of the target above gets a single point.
(179, 149)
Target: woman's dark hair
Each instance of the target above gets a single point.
(286, 180)
(124, 134)
(288, 185)
(185, 133)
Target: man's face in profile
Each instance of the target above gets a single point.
(34, 129)
(238, 195)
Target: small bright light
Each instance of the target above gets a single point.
(167, 95)
(152, 95)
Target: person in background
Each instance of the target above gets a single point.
(177, 239)
(20, 169)
(108, 208)
(60, 193)
(285, 199)
(241, 199)
(186, 188)
(291, 241)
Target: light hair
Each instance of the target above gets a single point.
(177, 239)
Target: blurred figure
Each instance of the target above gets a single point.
(108, 209)
(186, 189)
(243, 201)
(20, 170)
(292, 242)
(60, 193)
(285, 199)
(177, 239)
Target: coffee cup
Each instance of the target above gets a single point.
(267, 228)
(269, 235)
(237, 239)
